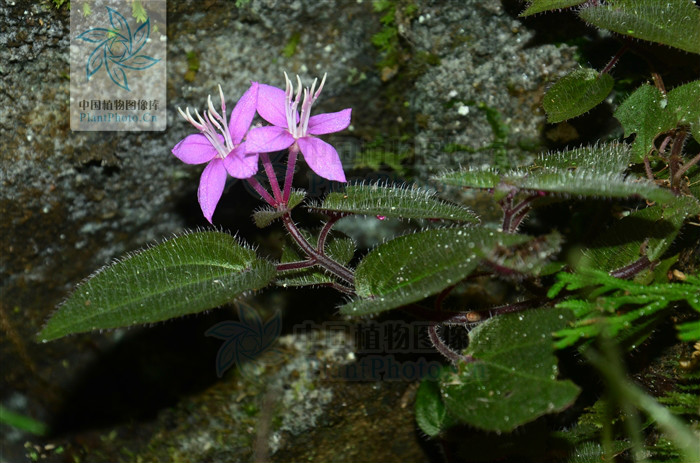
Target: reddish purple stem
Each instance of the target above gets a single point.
(444, 349)
(289, 176)
(272, 176)
(629, 271)
(316, 256)
(261, 191)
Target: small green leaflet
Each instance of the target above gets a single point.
(431, 415)
(671, 22)
(684, 100)
(645, 113)
(538, 6)
(649, 231)
(514, 378)
(184, 275)
(394, 201)
(412, 267)
(576, 93)
(266, 215)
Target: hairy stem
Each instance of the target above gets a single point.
(658, 82)
(289, 176)
(647, 168)
(341, 288)
(261, 191)
(272, 177)
(675, 160)
(628, 271)
(295, 265)
(507, 206)
(613, 61)
(664, 144)
(317, 257)
(444, 349)
(514, 215)
(684, 168)
(323, 235)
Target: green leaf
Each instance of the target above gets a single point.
(587, 183)
(471, 177)
(649, 231)
(675, 213)
(576, 93)
(184, 275)
(538, 6)
(393, 201)
(644, 113)
(514, 378)
(266, 215)
(612, 158)
(528, 258)
(430, 409)
(591, 172)
(412, 267)
(671, 22)
(684, 101)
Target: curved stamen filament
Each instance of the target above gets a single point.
(210, 124)
(227, 135)
(298, 128)
(212, 136)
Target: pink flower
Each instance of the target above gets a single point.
(223, 149)
(279, 108)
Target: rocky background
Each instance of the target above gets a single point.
(433, 84)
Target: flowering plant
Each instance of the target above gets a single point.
(508, 375)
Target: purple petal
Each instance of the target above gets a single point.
(240, 164)
(243, 114)
(322, 158)
(194, 149)
(271, 105)
(329, 122)
(268, 139)
(211, 186)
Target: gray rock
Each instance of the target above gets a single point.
(485, 70)
(72, 201)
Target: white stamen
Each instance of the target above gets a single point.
(323, 81)
(212, 111)
(210, 123)
(223, 101)
(289, 84)
(298, 89)
(313, 86)
(299, 128)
